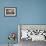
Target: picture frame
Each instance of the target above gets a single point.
(10, 11)
(39, 28)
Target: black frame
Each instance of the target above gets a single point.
(10, 16)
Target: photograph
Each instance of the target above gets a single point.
(10, 11)
(31, 33)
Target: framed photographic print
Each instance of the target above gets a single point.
(10, 11)
(33, 32)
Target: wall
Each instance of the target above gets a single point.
(28, 12)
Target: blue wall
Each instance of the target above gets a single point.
(28, 12)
